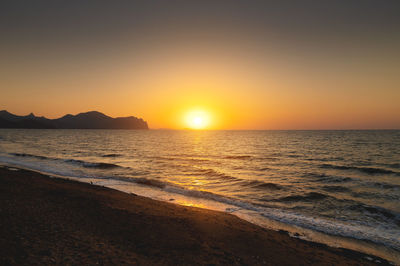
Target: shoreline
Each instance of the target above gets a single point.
(140, 230)
(252, 216)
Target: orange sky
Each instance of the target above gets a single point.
(246, 76)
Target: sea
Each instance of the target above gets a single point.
(340, 188)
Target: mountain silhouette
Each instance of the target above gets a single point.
(89, 120)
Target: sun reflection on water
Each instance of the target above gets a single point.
(190, 204)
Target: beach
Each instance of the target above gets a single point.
(47, 220)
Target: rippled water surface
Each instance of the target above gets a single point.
(339, 182)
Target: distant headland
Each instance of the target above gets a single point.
(88, 120)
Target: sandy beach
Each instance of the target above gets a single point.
(46, 220)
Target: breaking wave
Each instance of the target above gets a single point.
(92, 164)
(99, 165)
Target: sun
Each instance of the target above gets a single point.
(197, 119)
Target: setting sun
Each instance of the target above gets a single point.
(197, 119)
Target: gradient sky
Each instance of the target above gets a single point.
(250, 64)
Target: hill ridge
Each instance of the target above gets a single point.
(84, 120)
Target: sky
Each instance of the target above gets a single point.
(247, 64)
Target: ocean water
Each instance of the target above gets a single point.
(339, 183)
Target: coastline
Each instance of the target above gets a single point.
(52, 220)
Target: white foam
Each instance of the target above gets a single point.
(43, 166)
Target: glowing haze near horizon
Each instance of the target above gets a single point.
(247, 64)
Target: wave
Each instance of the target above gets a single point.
(263, 185)
(240, 181)
(335, 189)
(318, 159)
(324, 178)
(368, 170)
(177, 158)
(376, 210)
(293, 156)
(161, 158)
(264, 169)
(111, 155)
(150, 182)
(311, 196)
(214, 173)
(99, 165)
(30, 155)
(238, 157)
(321, 177)
(264, 159)
(394, 165)
(375, 195)
(92, 165)
(384, 185)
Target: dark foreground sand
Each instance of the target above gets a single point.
(54, 221)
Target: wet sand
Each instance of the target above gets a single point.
(46, 220)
